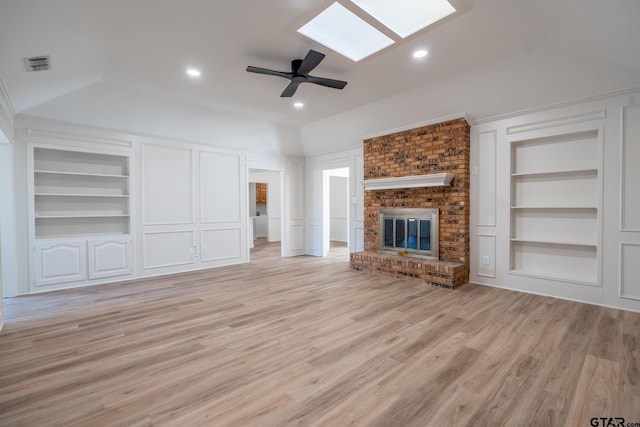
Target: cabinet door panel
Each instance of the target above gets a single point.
(60, 262)
(109, 258)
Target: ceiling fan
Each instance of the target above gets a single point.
(300, 69)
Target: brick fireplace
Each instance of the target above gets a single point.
(442, 148)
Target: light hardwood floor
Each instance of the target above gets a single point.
(307, 341)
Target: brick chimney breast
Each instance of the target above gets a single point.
(440, 148)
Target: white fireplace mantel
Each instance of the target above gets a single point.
(413, 181)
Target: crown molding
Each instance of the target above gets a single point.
(417, 125)
(627, 91)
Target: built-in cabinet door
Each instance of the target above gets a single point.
(60, 262)
(109, 257)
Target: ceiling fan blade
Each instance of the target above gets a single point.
(269, 72)
(336, 84)
(291, 89)
(309, 62)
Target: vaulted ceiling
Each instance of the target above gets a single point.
(119, 61)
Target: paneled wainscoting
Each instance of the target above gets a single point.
(308, 341)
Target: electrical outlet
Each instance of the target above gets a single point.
(486, 260)
(474, 170)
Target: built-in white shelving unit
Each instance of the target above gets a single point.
(80, 194)
(81, 216)
(555, 197)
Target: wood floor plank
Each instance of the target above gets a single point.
(469, 394)
(307, 341)
(502, 401)
(607, 340)
(598, 382)
(630, 365)
(418, 403)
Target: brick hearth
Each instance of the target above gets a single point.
(433, 149)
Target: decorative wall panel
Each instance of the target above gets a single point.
(168, 248)
(487, 178)
(219, 187)
(167, 185)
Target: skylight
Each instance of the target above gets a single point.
(405, 17)
(344, 32)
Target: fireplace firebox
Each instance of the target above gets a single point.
(409, 232)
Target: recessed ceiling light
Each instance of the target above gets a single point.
(405, 17)
(343, 31)
(421, 53)
(193, 72)
(298, 104)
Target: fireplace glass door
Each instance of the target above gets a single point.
(410, 231)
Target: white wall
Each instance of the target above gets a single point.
(8, 222)
(189, 200)
(145, 114)
(193, 217)
(1, 300)
(605, 275)
(315, 206)
(252, 197)
(8, 262)
(338, 208)
(294, 208)
(530, 79)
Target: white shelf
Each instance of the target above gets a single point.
(64, 237)
(58, 227)
(80, 195)
(555, 242)
(556, 153)
(102, 175)
(554, 208)
(559, 278)
(97, 215)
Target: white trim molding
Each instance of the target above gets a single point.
(6, 114)
(417, 125)
(412, 181)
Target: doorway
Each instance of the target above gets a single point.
(264, 227)
(335, 212)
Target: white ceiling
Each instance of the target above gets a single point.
(121, 56)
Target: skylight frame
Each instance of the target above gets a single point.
(340, 22)
(459, 6)
(393, 14)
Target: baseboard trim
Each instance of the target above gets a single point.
(555, 296)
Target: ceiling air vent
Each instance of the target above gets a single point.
(38, 63)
